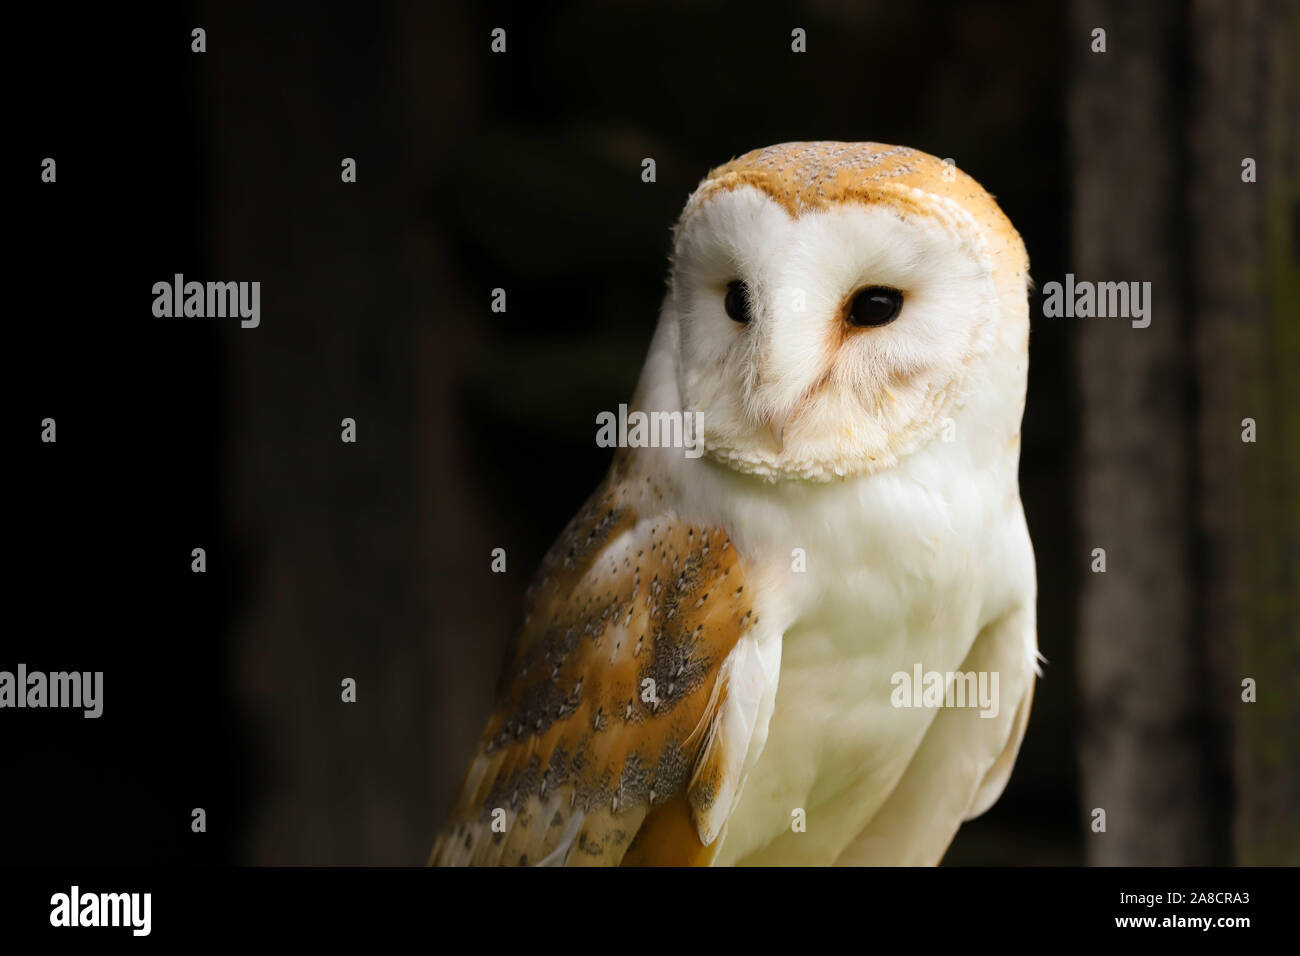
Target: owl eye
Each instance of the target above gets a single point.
(875, 305)
(737, 301)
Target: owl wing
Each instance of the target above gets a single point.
(627, 708)
(964, 760)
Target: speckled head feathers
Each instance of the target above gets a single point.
(807, 177)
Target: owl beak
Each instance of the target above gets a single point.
(776, 424)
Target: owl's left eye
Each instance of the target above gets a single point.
(874, 306)
(737, 301)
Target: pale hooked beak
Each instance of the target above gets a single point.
(776, 424)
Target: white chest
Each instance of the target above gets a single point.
(882, 581)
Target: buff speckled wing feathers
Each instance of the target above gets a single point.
(605, 718)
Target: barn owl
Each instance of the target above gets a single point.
(721, 656)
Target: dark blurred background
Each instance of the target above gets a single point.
(522, 171)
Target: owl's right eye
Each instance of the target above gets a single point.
(737, 301)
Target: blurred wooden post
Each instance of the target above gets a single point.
(1246, 295)
(1200, 529)
(1139, 657)
(366, 560)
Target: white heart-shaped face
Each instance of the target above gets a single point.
(799, 390)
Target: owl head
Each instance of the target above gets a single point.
(835, 305)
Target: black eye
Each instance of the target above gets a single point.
(737, 301)
(876, 305)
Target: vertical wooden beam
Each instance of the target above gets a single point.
(1246, 295)
(366, 560)
(1143, 748)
